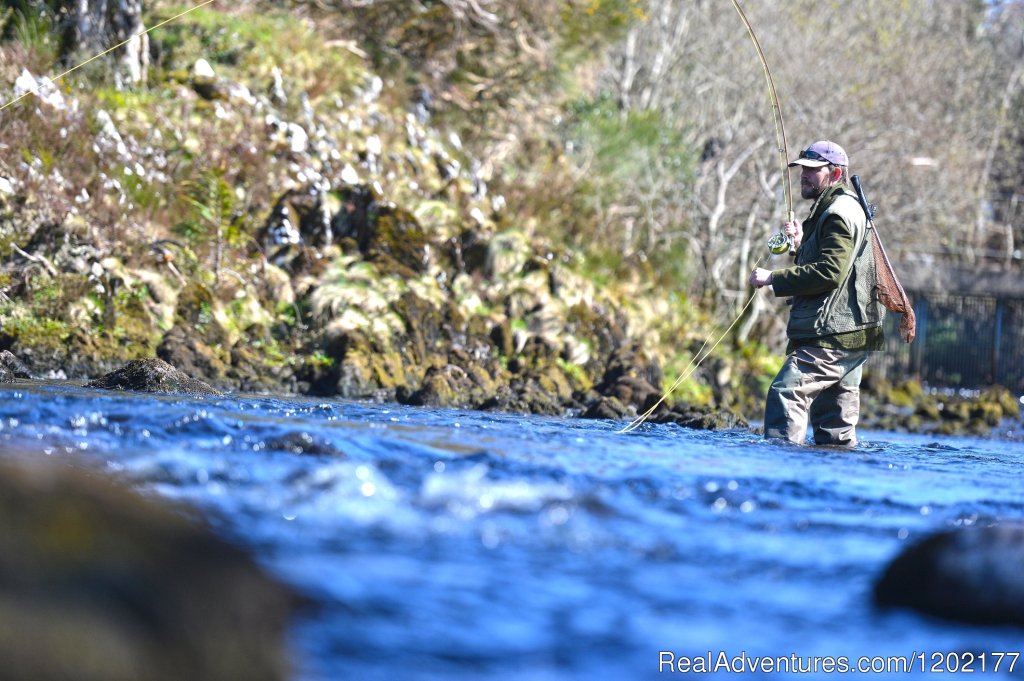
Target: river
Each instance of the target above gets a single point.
(445, 544)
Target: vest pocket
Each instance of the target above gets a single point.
(805, 316)
(866, 307)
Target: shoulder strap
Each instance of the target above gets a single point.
(848, 208)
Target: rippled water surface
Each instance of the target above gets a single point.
(462, 545)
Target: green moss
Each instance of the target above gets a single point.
(128, 101)
(690, 391)
(1008, 404)
(34, 331)
(986, 411)
(320, 359)
(900, 398)
(575, 373)
(241, 45)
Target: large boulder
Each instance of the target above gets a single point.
(13, 366)
(190, 354)
(630, 376)
(969, 574)
(98, 584)
(152, 376)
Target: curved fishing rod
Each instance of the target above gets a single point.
(778, 243)
(780, 126)
(104, 52)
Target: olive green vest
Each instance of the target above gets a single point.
(851, 306)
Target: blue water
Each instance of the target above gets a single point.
(446, 544)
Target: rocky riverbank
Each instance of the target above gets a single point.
(298, 229)
(907, 406)
(335, 245)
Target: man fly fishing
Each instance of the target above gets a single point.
(835, 318)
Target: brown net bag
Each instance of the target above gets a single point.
(890, 291)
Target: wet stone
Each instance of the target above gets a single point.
(152, 376)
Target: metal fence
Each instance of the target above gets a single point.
(963, 341)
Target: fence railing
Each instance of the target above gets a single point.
(970, 329)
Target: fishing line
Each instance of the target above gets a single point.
(691, 367)
(101, 54)
(778, 243)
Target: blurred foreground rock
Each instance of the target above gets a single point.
(99, 584)
(971, 575)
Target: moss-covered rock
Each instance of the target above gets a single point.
(908, 406)
(700, 419)
(188, 351)
(524, 396)
(394, 233)
(363, 369)
(424, 326)
(152, 376)
(447, 386)
(607, 408)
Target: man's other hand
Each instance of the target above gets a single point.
(760, 277)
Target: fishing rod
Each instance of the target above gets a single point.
(101, 54)
(778, 243)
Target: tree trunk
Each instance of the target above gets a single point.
(92, 26)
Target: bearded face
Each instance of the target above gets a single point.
(813, 181)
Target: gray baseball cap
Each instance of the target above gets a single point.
(821, 154)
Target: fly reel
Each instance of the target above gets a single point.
(780, 243)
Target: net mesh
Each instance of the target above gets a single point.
(890, 291)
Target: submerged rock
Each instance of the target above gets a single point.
(970, 575)
(152, 376)
(98, 584)
(700, 419)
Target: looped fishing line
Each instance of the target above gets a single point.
(103, 53)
